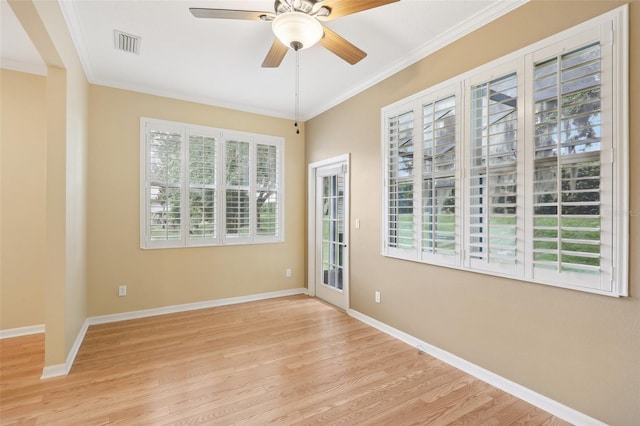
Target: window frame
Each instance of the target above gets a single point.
(442, 94)
(605, 157)
(497, 72)
(611, 31)
(414, 179)
(221, 136)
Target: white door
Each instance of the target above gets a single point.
(329, 272)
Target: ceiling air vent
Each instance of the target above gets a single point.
(126, 42)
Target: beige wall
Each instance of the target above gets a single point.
(76, 202)
(580, 349)
(22, 146)
(157, 278)
(55, 259)
(66, 114)
(67, 103)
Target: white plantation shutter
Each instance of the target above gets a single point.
(569, 232)
(400, 182)
(439, 200)
(203, 186)
(493, 209)
(237, 204)
(163, 190)
(421, 163)
(522, 170)
(266, 193)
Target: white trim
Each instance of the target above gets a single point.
(311, 229)
(620, 15)
(21, 331)
(26, 67)
(72, 18)
(58, 370)
(493, 11)
(124, 316)
(204, 100)
(490, 13)
(544, 403)
(143, 197)
(311, 220)
(621, 199)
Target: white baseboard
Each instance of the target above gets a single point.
(64, 369)
(21, 331)
(57, 370)
(103, 319)
(557, 409)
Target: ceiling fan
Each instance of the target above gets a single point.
(296, 24)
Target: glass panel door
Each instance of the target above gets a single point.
(333, 230)
(330, 270)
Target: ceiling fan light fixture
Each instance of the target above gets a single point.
(297, 30)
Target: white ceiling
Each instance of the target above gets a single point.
(218, 62)
(18, 52)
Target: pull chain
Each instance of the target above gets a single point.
(297, 99)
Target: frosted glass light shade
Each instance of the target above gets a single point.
(297, 29)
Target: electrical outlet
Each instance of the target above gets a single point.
(122, 290)
(288, 273)
(377, 297)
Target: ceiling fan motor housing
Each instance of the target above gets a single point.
(282, 6)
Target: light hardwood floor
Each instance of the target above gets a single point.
(291, 360)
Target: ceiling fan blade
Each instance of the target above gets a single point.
(275, 55)
(347, 7)
(247, 15)
(341, 47)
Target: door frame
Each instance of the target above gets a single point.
(311, 223)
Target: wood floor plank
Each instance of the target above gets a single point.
(284, 361)
(351, 408)
(508, 415)
(328, 386)
(498, 402)
(533, 417)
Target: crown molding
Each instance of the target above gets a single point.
(490, 13)
(493, 11)
(27, 67)
(71, 17)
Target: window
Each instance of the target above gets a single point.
(401, 232)
(421, 188)
(202, 189)
(522, 171)
(493, 175)
(438, 178)
(568, 170)
(237, 203)
(203, 186)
